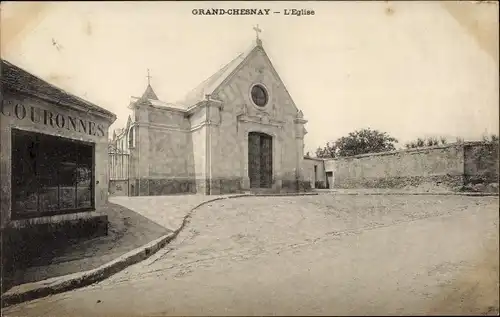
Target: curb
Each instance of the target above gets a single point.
(60, 284)
(285, 194)
(413, 194)
(31, 291)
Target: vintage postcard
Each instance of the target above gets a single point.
(181, 158)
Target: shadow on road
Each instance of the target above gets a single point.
(55, 255)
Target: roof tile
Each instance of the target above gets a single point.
(16, 78)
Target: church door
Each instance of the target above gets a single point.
(260, 160)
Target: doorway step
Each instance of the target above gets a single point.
(262, 191)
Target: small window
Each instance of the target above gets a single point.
(131, 137)
(259, 95)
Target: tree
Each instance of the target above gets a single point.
(493, 138)
(358, 142)
(423, 142)
(328, 151)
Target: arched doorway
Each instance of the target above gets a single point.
(260, 160)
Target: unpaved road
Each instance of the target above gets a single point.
(310, 255)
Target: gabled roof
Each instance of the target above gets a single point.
(209, 85)
(16, 78)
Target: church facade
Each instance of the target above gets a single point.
(238, 131)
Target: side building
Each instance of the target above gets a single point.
(54, 158)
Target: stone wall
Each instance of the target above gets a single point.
(170, 186)
(434, 168)
(481, 166)
(293, 186)
(170, 154)
(167, 118)
(226, 185)
(162, 163)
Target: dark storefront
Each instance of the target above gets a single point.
(50, 175)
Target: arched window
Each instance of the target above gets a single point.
(131, 137)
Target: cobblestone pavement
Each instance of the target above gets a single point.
(309, 255)
(167, 211)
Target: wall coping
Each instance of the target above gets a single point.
(315, 159)
(415, 150)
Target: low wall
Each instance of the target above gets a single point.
(118, 187)
(448, 167)
(294, 186)
(215, 186)
(167, 186)
(21, 246)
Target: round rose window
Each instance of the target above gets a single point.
(259, 95)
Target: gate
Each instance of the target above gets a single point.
(118, 173)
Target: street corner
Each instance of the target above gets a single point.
(57, 263)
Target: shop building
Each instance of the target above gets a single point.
(54, 153)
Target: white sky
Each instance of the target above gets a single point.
(412, 73)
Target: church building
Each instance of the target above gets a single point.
(238, 131)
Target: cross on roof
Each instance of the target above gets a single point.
(257, 30)
(149, 78)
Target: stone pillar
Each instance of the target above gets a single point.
(300, 132)
(142, 149)
(243, 137)
(212, 121)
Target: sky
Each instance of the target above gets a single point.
(411, 69)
